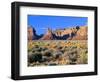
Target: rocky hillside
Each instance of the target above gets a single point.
(74, 33)
(48, 35)
(32, 34)
(82, 34)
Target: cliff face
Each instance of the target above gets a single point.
(30, 33)
(75, 33)
(81, 34)
(48, 35)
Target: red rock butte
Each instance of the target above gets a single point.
(74, 33)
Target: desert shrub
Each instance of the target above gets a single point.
(73, 56)
(35, 57)
(43, 49)
(36, 46)
(39, 49)
(83, 58)
(74, 47)
(62, 50)
(30, 60)
(47, 53)
(45, 58)
(86, 51)
(57, 54)
(59, 47)
(51, 52)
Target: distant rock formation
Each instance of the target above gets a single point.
(48, 35)
(74, 33)
(32, 34)
(82, 34)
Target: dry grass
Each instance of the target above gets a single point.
(57, 52)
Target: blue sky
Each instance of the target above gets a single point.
(42, 22)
